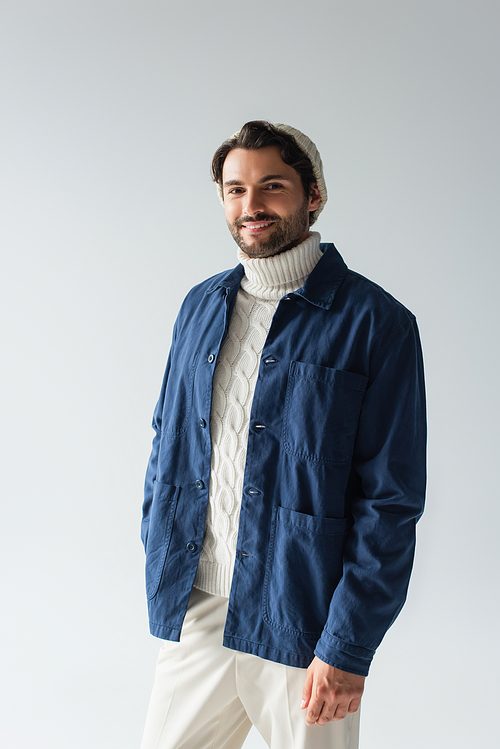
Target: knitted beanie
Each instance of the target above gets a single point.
(308, 147)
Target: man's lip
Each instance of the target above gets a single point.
(256, 226)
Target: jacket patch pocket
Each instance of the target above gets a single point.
(304, 566)
(160, 531)
(322, 409)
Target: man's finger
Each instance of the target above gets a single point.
(313, 712)
(325, 717)
(306, 692)
(333, 713)
(340, 712)
(354, 705)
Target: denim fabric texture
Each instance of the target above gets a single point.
(333, 484)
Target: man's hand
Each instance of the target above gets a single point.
(329, 693)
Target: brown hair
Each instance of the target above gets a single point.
(259, 134)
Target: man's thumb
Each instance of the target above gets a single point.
(306, 692)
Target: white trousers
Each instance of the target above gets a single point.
(206, 696)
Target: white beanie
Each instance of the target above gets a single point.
(308, 147)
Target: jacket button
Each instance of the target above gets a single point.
(211, 358)
(191, 547)
(200, 484)
(203, 423)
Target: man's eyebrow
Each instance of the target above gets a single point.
(274, 176)
(267, 178)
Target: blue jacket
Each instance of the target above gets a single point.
(335, 472)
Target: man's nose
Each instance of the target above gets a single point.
(254, 202)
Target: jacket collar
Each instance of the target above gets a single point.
(320, 287)
(322, 283)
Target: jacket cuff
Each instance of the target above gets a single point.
(343, 655)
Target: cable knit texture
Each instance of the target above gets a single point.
(265, 282)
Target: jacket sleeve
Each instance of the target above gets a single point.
(387, 490)
(151, 470)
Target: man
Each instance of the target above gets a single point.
(286, 476)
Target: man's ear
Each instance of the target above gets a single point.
(314, 197)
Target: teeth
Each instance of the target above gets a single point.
(257, 226)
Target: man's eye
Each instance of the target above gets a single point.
(234, 191)
(274, 186)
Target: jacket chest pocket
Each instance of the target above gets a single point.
(322, 409)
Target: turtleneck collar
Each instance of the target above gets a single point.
(274, 277)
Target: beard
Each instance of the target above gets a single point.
(287, 232)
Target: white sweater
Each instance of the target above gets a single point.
(265, 282)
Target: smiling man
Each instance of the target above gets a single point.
(286, 476)
(267, 209)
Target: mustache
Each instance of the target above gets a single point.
(259, 217)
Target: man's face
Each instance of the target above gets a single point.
(266, 209)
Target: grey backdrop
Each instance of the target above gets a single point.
(110, 112)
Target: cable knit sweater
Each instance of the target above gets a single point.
(265, 282)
